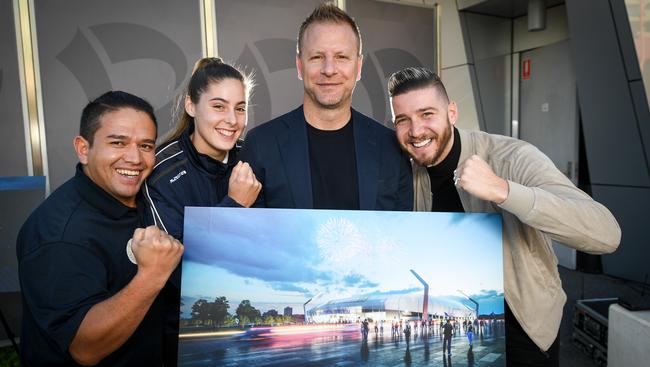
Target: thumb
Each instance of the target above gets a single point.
(237, 168)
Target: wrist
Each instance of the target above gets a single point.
(149, 280)
(502, 191)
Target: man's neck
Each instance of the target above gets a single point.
(327, 119)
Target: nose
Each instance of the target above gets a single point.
(230, 117)
(415, 128)
(329, 66)
(133, 154)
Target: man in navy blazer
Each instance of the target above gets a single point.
(324, 154)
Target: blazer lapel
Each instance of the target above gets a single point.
(295, 155)
(367, 149)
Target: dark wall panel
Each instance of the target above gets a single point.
(612, 141)
(640, 101)
(630, 207)
(622, 23)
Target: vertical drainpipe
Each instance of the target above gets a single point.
(209, 29)
(30, 90)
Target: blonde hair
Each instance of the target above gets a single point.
(326, 13)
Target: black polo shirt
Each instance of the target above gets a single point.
(71, 254)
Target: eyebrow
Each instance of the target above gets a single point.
(426, 108)
(219, 99)
(125, 137)
(115, 136)
(419, 110)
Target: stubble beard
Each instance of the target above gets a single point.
(322, 103)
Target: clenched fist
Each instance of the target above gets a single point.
(156, 252)
(243, 186)
(476, 177)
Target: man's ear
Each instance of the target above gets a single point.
(81, 147)
(359, 67)
(452, 111)
(189, 106)
(299, 67)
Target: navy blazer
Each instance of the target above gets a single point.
(278, 153)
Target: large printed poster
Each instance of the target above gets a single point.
(286, 287)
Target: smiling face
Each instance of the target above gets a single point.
(329, 65)
(122, 153)
(219, 117)
(424, 122)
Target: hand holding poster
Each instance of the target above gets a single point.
(321, 287)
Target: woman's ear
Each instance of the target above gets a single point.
(189, 106)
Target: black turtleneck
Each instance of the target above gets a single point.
(444, 194)
(333, 165)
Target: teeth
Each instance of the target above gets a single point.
(226, 132)
(421, 144)
(127, 172)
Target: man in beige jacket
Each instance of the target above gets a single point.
(472, 171)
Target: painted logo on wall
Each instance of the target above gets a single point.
(279, 54)
(121, 42)
(126, 42)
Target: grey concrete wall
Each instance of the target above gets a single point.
(457, 69)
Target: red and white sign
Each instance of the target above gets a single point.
(525, 69)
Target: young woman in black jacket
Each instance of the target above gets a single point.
(197, 165)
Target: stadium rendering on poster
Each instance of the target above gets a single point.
(280, 287)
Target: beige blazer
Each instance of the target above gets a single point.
(542, 204)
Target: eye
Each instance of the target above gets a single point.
(427, 114)
(241, 109)
(117, 143)
(218, 107)
(147, 147)
(400, 121)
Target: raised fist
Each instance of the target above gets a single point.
(243, 186)
(156, 252)
(476, 177)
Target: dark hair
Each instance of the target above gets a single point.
(206, 71)
(110, 102)
(413, 78)
(327, 13)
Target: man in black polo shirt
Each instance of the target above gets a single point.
(84, 301)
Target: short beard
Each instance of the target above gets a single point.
(443, 141)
